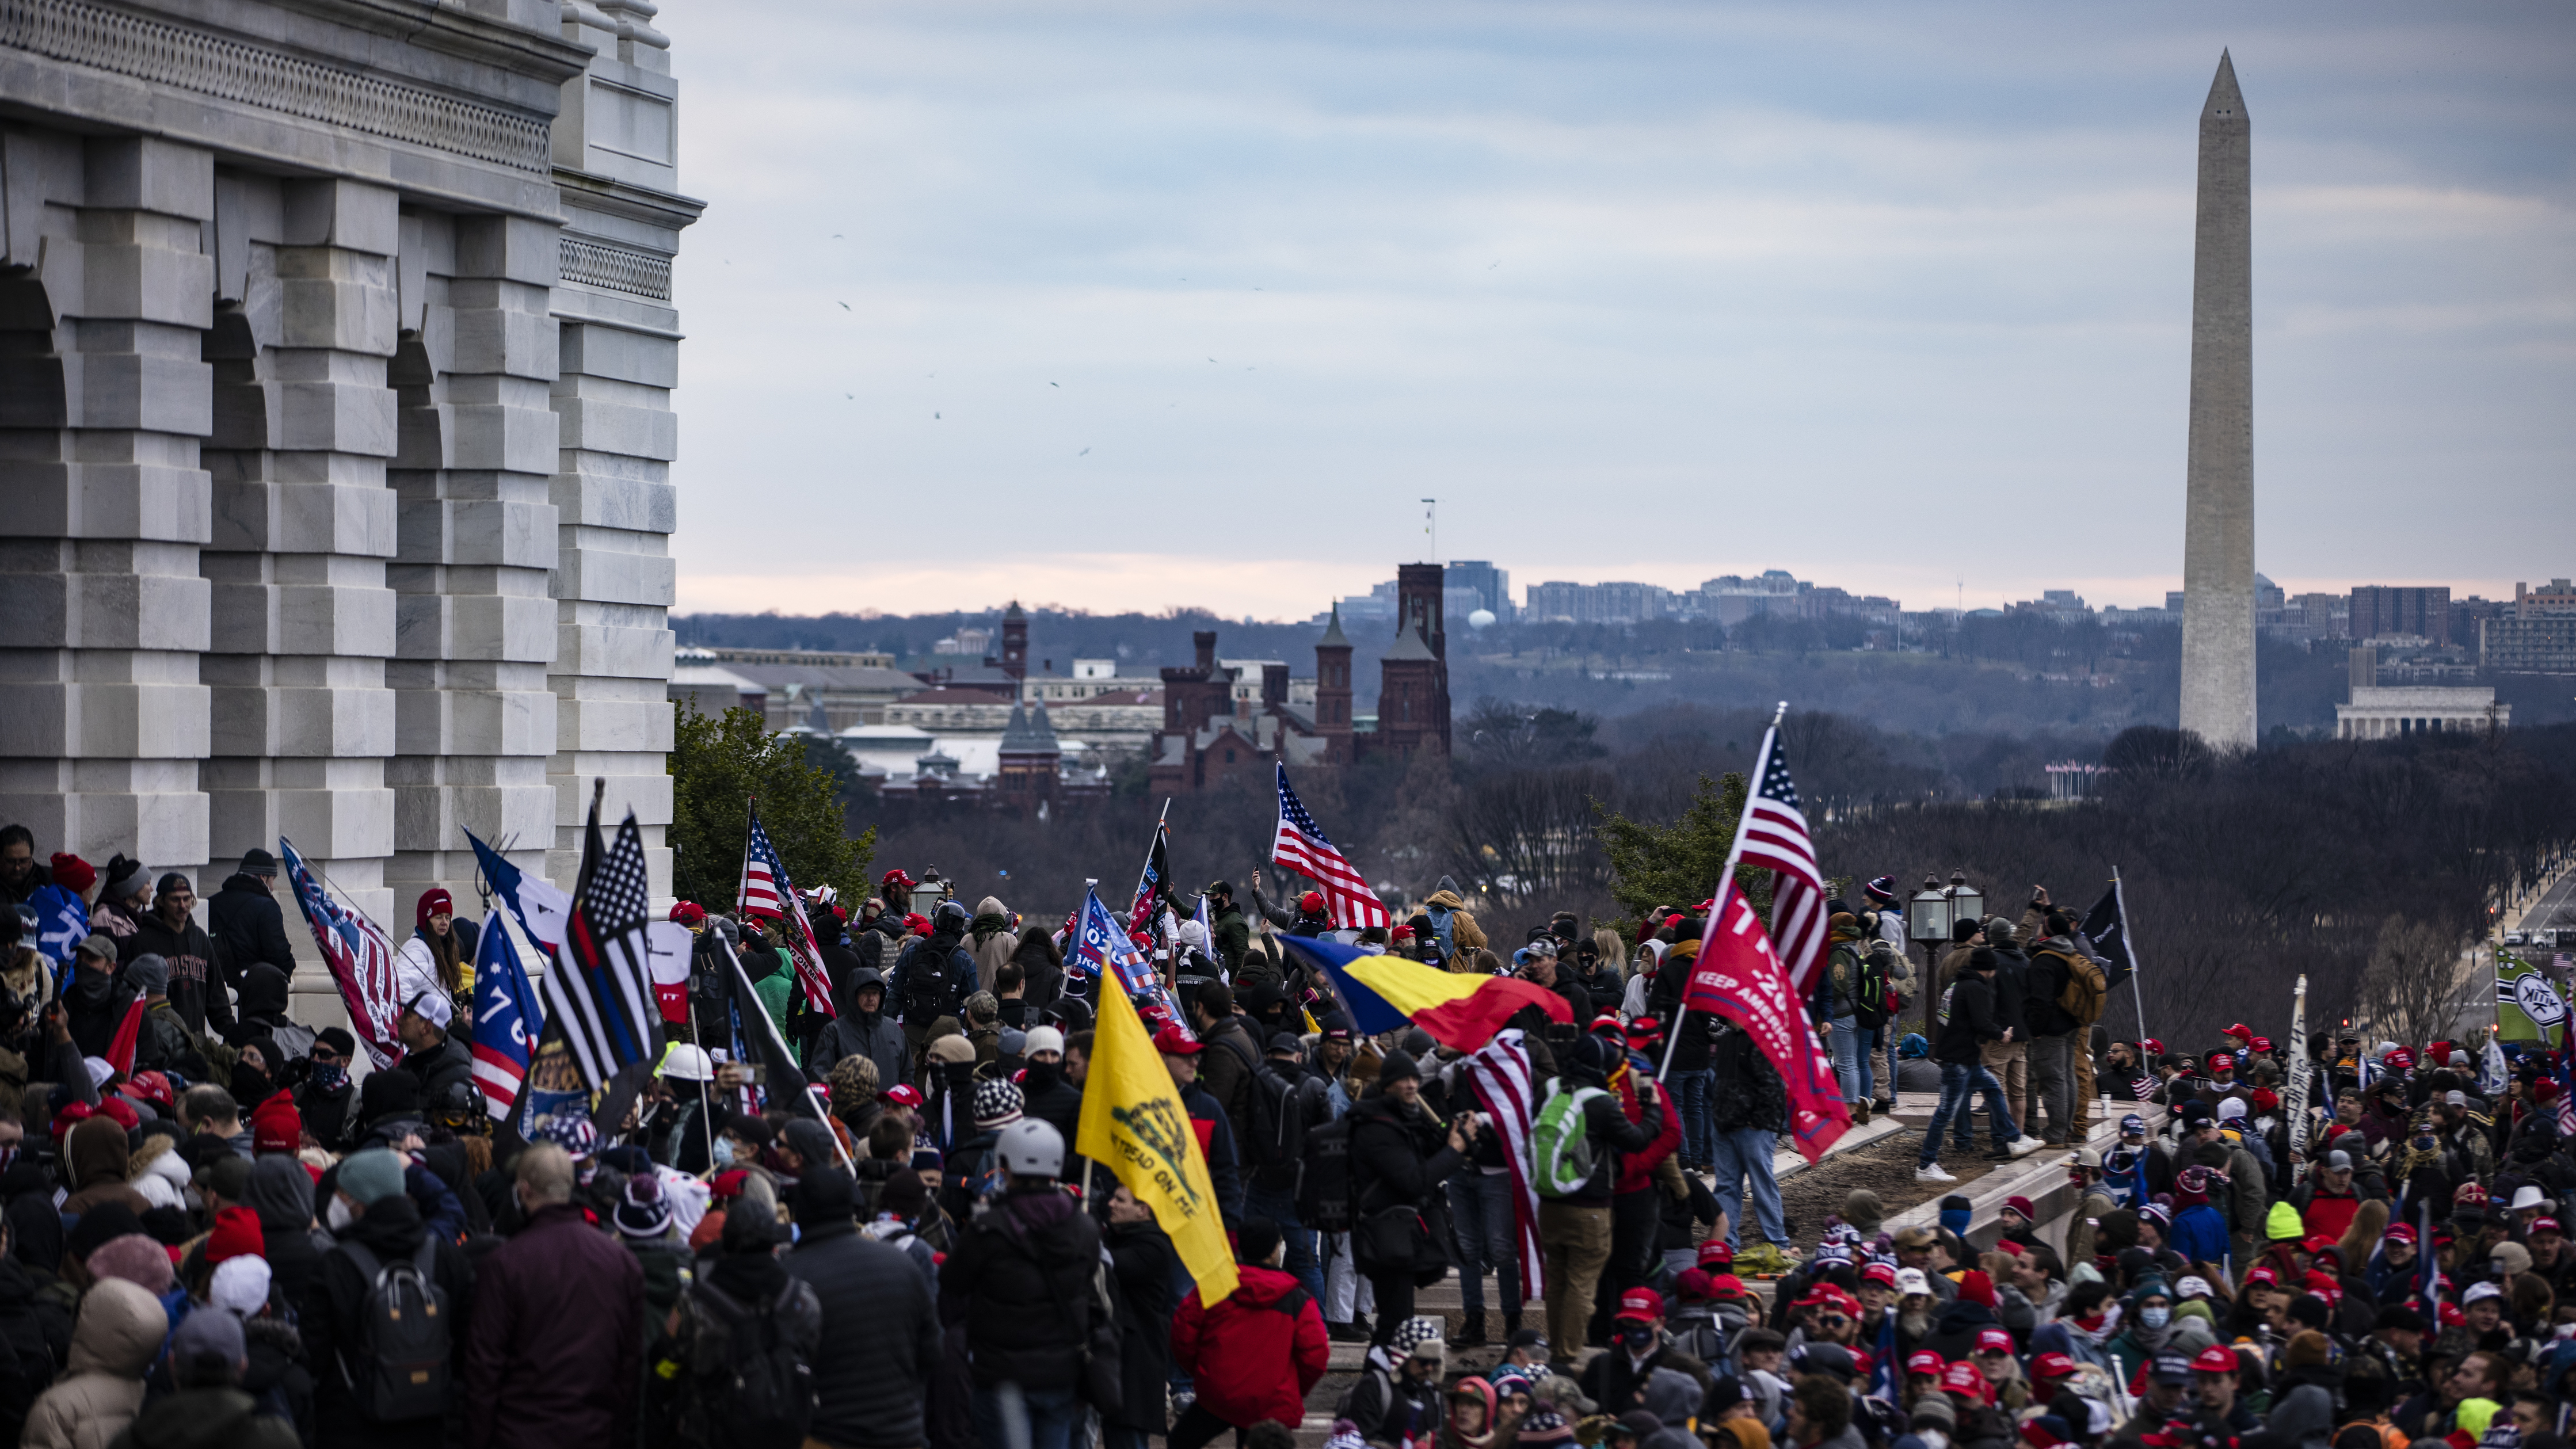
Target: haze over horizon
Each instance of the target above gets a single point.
(1147, 305)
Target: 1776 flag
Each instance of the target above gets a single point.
(1774, 834)
(1301, 847)
(601, 990)
(506, 1021)
(770, 895)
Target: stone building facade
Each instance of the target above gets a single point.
(336, 355)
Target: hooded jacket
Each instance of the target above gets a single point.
(391, 1228)
(36, 1329)
(882, 1329)
(95, 1151)
(281, 1193)
(990, 941)
(1142, 1266)
(248, 925)
(856, 1033)
(937, 970)
(1454, 927)
(1258, 1353)
(189, 952)
(1041, 970)
(1020, 1280)
(114, 1339)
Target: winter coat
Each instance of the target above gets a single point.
(1973, 1020)
(1454, 926)
(1255, 1355)
(1229, 936)
(555, 1353)
(1399, 1156)
(1664, 1000)
(440, 1067)
(881, 1335)
(189, 953)
(1021, 1280)
(856, 1033)
(1216, 1143)
(1047, 1097)
(1141, 1268)
(2012, 990)
(2041, 1015)
(995, 949)
(1226, 1070)
(96, 1153)
(1746, 1087)
(114, 1340)
(416, 960)
(281, 1192)
(35, 1331)
(248, 925)
(939, 971)
(1041, 970)
(1612, 1379)
(207, 1419)
(330, 1318)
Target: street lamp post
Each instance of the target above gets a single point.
(1927, 920)
(1967, 903)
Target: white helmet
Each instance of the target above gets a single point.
(1031, 1148)
(686, 1063)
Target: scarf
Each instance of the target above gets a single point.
(985, 928)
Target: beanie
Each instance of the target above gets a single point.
(73, 873)
(135, 1258)
(236, 1233)
(371, 1176)
(148, 973)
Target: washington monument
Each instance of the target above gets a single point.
(2218, 518)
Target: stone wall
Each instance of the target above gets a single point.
(336, 358)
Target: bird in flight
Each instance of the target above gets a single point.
(1085, 453)
(845, 306)
(934, 417)
(1055, 384)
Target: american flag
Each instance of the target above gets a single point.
(769, 894)
(2567, 1090)
(1301, 847)
(360, 959)
(1774, 834)
(1500, 1074)
(601, 990)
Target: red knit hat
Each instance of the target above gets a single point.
(275, 1126)
(73, 873)
(433, 902)
(1312, 903)
(122, 1110)
(236, 1235)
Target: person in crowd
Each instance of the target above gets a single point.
(1574, 1227)
(246, 921)
(345, 1313)
(1400, 1155)
(1256, 1354)
(439, 953)
(554, 1354)
(1020, 1281)
(881, 1331)
(170, 932)
(115, 1337)
(1976, 1022)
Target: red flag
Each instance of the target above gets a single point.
(1469, 1022)
(120, 1048)
(1739, 977)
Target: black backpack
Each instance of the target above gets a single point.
(398, 1368)
(1324, 1194)
(925, 986)
(1278, 1123)
(751, 1366)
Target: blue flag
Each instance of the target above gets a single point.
(62, 923)
(1369, 1012)
(1100, 944)
(1883, 1366)
(507, 1020)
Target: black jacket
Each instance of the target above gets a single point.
(1612, 1135)
(1745, 1088)
(438, 1066)
(936, 970)
(856, 1033)
(1226, 1069)
(1141, 1267)
(1020, 1280)
(2040, 1013)
(391, 1229)
(881, 1338)
(190, 954)
(1223, 1161)
(1399, 1156)
(1041, 970)
(1691, 1050)
(35, 1335)
(2012, 990)
(1046, 1096)
(249, 925)
(1972, 1020)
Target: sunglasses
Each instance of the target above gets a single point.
(1831, 1320)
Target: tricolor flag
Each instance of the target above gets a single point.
(1461, 1010)
(360, 959)
(1300, 845)
(507, 1021)
(600, 992)
(770, 895)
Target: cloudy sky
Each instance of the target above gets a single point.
(1133, 305)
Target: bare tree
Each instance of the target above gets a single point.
(2415, 986)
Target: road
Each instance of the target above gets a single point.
(2555, 908)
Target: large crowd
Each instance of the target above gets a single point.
(224, 1227)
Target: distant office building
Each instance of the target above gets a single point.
(2324, 616)
(1604, 603)
(1492, 588)
(2538, 637)
(2380, 610)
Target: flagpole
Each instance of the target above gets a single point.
(2129, 937)
(1725, 883)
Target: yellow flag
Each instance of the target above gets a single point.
(1133, 1120)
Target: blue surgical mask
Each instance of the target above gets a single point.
(2155, 1317)
(724, 1153)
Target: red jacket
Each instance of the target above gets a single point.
(1637, 1169)
(1251, 1359)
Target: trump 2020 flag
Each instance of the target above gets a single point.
(360, 959)
(1101, 948)
(507, 1020)
(62, 923)
(1739, 977)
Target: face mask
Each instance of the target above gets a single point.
(2155, 1317)
(330, 1076)
(1638, 1339)
(337, 1215)
(724, 1153)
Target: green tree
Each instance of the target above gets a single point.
(1678, 864)
(718, 763)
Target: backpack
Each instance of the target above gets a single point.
(2081, 996)
(1560, 1141)
(1324, 1191)
(925, 986)
(1870, 999)
(751, 1365)
(403, 1345)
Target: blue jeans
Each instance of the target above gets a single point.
(1958, 1081)
(1852, 1047)
(1694, 1097)
(1010, 1417)
(1480, 1208)
(1280, 1206)
(1740, 1153)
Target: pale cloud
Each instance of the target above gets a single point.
(1886, 295)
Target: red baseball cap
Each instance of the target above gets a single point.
(687, 913)
(1725, 1285)
(2262, 1043)
(2240, 1031)
(2215, 1360)
(1640, 1305)
(2545, 1225)
(1171, 1041)
(1884, 1273)
(2262, 1273)
(1715, 1250)
(1994, 1340)
(2400, 1059)
(2402, 1232)
(2221, 1061)
(2052, 1366)
(1964, 1377)
(1925, 1361)
(902, 1094)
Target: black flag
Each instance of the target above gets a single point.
(2107, 927)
